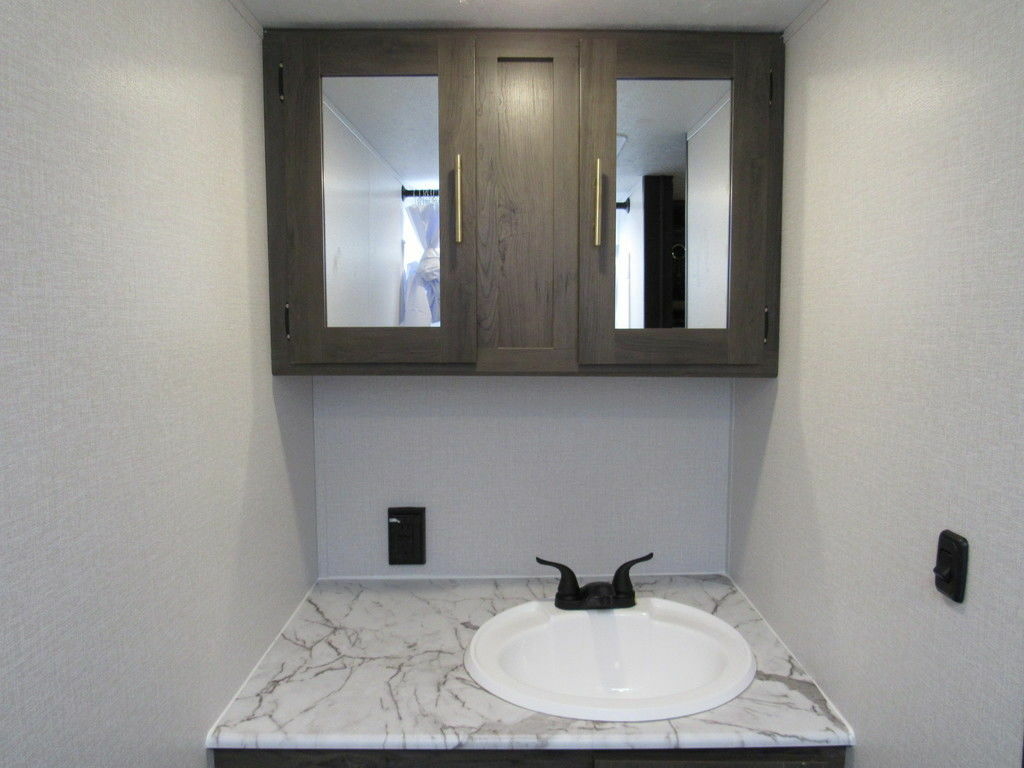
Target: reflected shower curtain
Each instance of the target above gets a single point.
(421, 291)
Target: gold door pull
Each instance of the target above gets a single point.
(458, 198)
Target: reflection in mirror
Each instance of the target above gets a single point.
(673, 196)
(381, 218)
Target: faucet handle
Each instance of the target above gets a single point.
(568, 586)
(621, 583)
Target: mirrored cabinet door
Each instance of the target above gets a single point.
(381, 202)
(377, 137)
(672, 193)
(679, 262)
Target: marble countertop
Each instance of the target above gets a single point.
(378, 665)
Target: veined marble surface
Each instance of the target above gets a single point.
(378, 665)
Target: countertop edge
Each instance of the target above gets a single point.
(527, 743)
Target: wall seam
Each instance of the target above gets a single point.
(702, 123)
(320, 548)
(340, 116)
(728, 478)
(247, 16)
(807, 672)
(291, 617)
(801, 21)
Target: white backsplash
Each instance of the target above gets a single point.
(589, 471)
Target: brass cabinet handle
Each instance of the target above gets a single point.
(597, 204)
(458, 198)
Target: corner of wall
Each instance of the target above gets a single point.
(247, 16)
(728, 478)
(801, 21)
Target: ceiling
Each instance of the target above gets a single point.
(397, 116)
(738, 15)
(653, 118)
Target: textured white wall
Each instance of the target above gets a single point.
(898, 409)
(587, 471)
(362, 230)
(156, 488)
(629, 261)
(708, 200)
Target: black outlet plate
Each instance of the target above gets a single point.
(407, 535)
(951, 566)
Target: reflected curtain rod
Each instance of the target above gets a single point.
(419, 193)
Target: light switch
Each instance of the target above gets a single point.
(951, 566)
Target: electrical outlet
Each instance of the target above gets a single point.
(407, 535)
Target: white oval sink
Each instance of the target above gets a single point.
(658, 660)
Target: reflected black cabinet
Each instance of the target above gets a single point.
(513, 202)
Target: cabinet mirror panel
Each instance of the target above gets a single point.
(380, 201)
(673, 195)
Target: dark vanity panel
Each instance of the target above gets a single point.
(781, 757)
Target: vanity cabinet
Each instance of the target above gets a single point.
(776, 757)
(514, 202)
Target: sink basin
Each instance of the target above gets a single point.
(657, 660)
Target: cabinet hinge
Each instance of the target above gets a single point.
(766, 325)
(771, 86)
(287, 321)
(280, 80)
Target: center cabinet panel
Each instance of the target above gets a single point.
(527, 165)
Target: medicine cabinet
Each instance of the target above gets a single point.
(506, 202)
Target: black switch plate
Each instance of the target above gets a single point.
(951, 566)
(407, 536)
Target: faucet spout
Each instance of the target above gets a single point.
(568, 586)
(621, 582)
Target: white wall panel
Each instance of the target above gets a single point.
(362, 230)
(156, 488)
(898, 409)
(708, 201)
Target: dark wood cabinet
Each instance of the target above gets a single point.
(753, 65)
(295, 64)
(775, 757)
(526, 156)
(527, 147)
